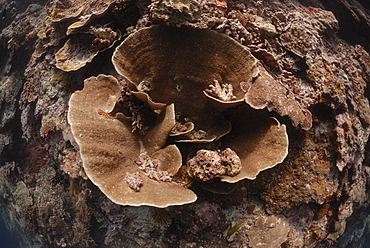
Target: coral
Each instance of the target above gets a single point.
(193, 13)
(159, 217)
(260, 143)
(187, 50)
(109, 148)
(62, 10)
(73, 55)
(265, 92)
(80, 49)
(294, 61)
(134, 181)
(188, 75)
(269, 231)
(224, 92)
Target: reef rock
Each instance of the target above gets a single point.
(245, 122)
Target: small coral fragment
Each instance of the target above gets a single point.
(181, 129)
(207, 165)
(197, 134)
(150, 167)
(223, 92)
(134, 181)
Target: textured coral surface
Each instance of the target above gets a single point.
(314, 63)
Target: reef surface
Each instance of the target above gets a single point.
(309, 74)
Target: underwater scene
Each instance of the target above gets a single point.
(184, 123)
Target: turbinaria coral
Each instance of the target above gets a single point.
(109, 149)
(146, 101)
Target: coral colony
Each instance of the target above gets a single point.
(146, 161)
(178, 113)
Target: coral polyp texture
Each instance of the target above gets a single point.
(109, 149)
(180, 63)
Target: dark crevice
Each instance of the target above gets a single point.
(354, 20)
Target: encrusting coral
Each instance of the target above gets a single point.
(268, 232)
(265, 92)
(84, 10)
